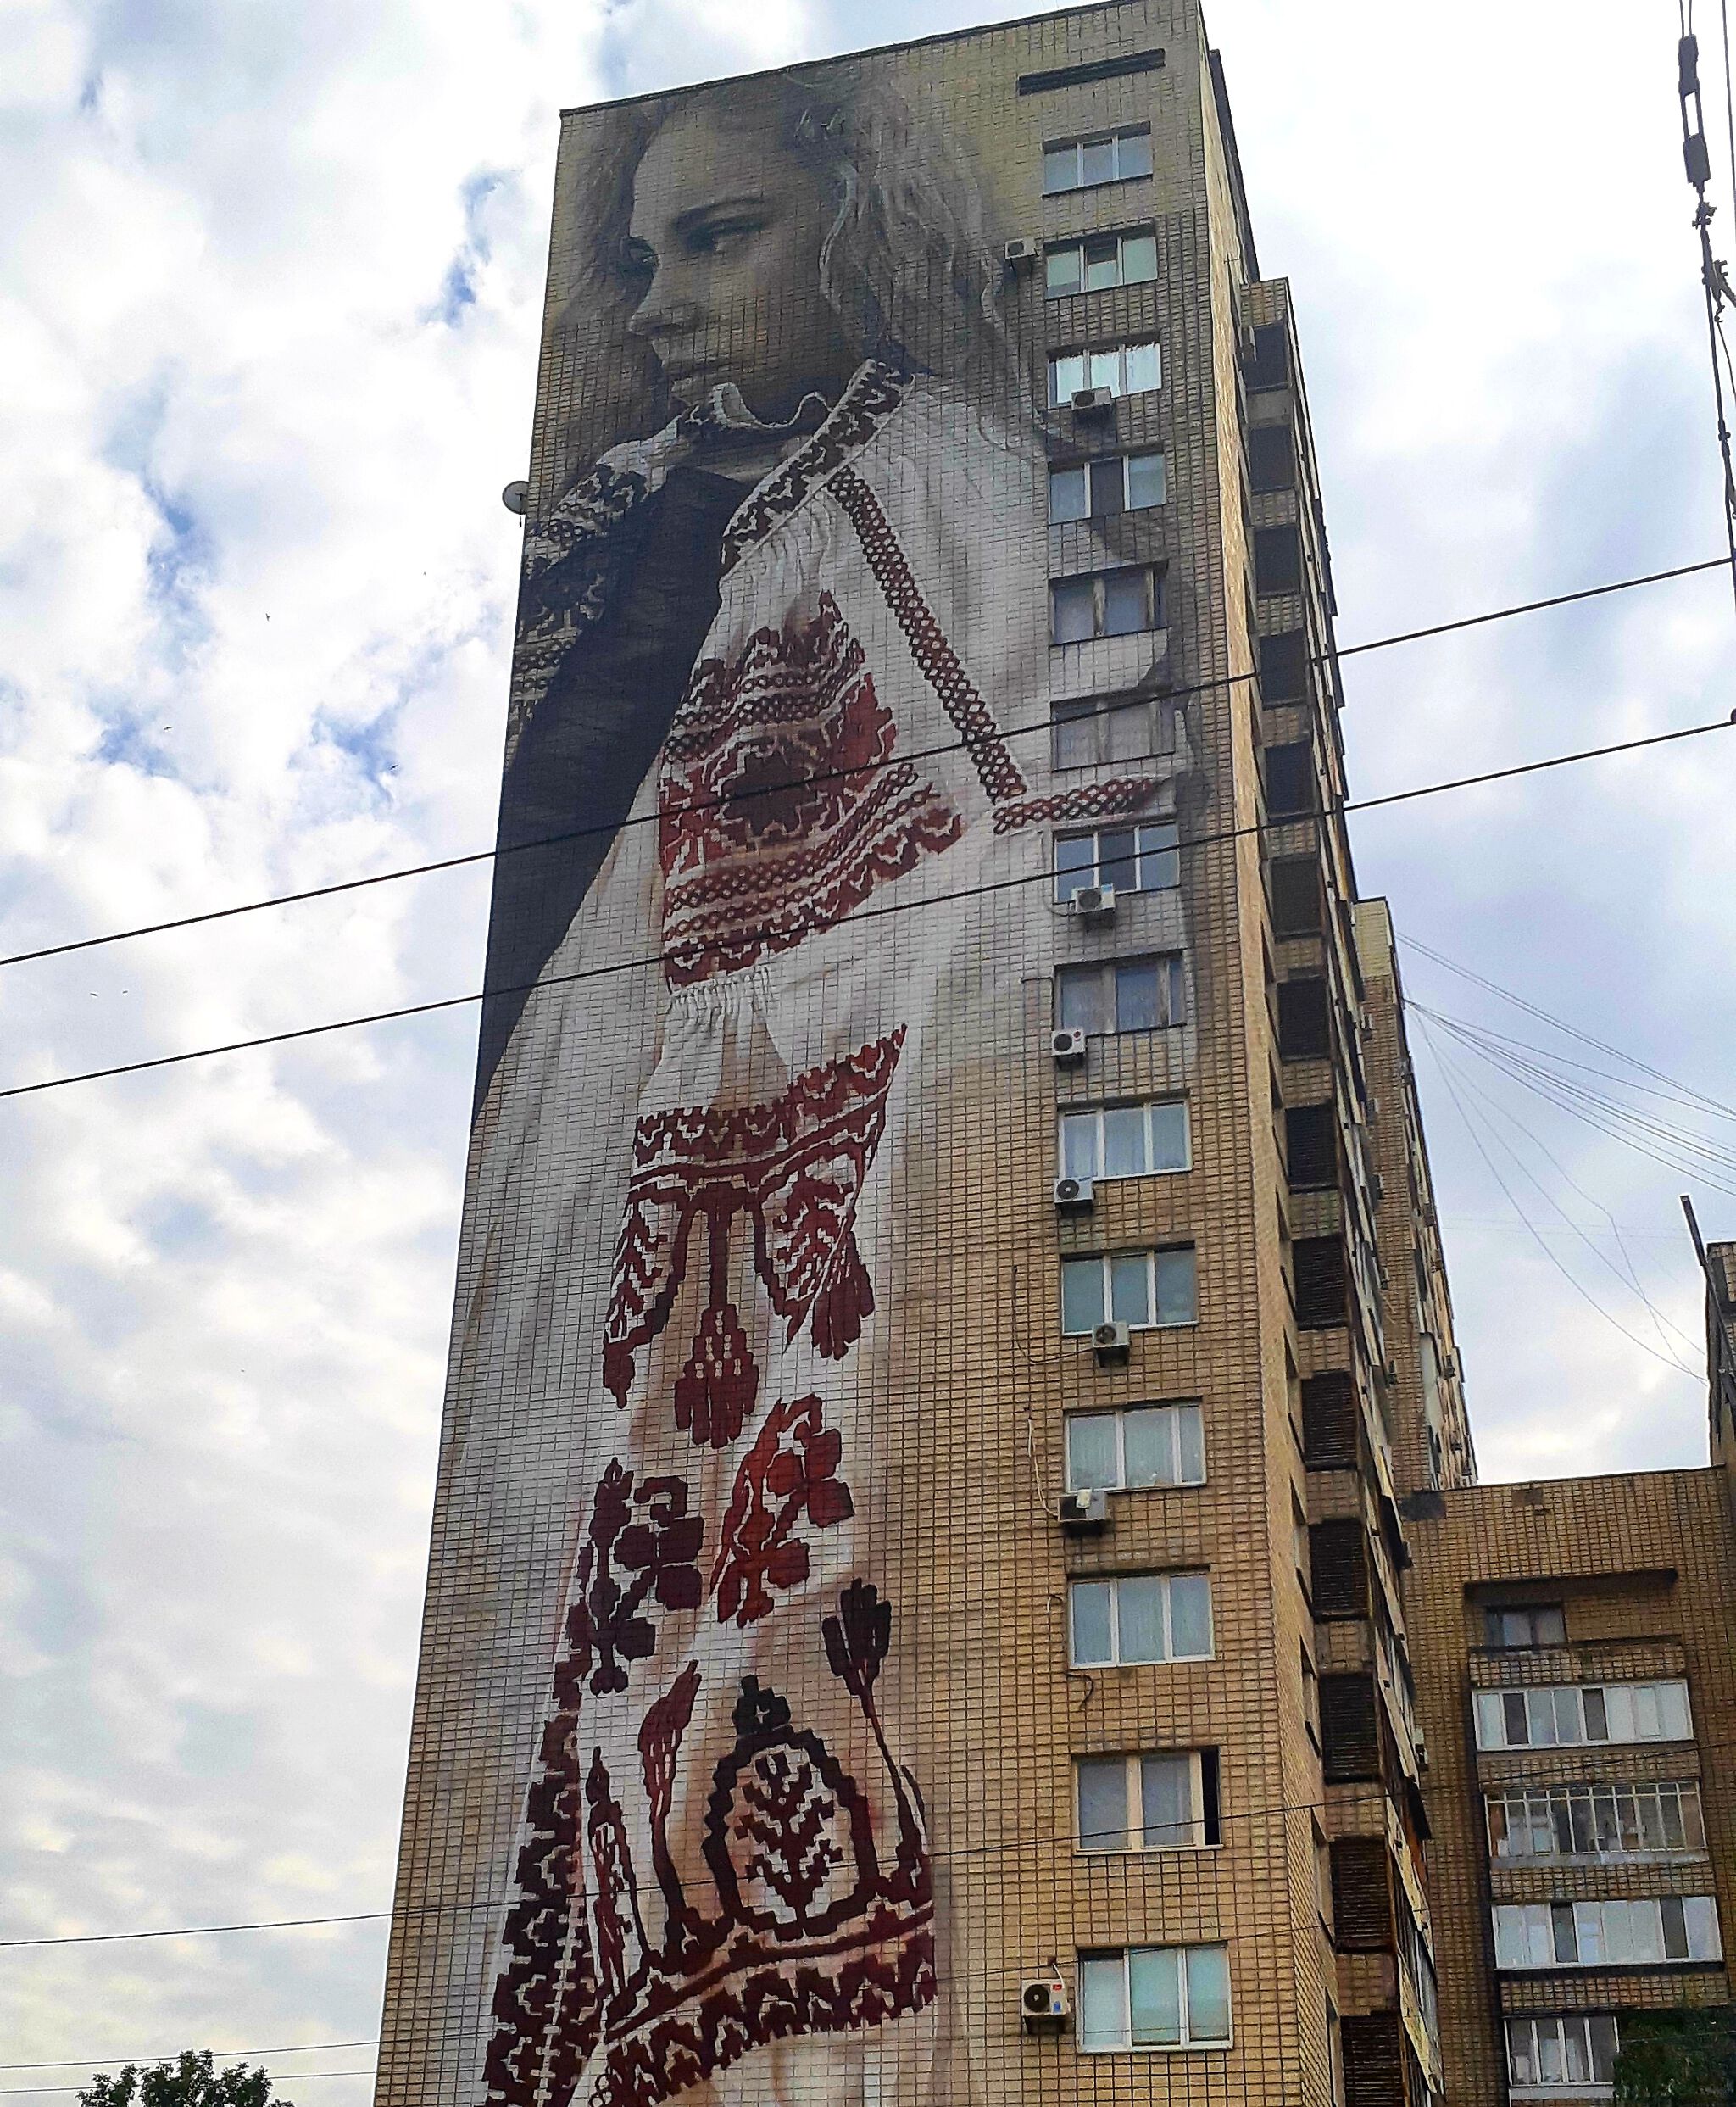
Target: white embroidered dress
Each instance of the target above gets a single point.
(685, 1294)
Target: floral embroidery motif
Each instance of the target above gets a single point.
(790, 1471)
(659, 1551)
(929, 645)
(794, 1166)
(805, 1913)
(782, 806)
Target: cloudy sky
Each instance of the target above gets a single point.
(267, 314)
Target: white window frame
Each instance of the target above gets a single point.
(1610, 1932)
(1531, 1612)
(1102, 714)
(1626, 1710)
(1187, 1411)
(1152, 1254)
(1111, 139)
(1071, 1117)
(1526, 1809)
(1156, 613)
(1135, 1838)
(1124, 462)
(1156, 859)
(1557, 2026)
(1093, 361)
(1125, 2045)
(1172, 988)
(1114, 1582)
(1078, 246)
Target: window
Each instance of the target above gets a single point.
(1272, 457)
(1296, 904)
(1121, 995)
(1132, 859)
(1305, 1020)
(1284, 667)
(1101, 263)
(1562, 2051)
(1134, 1449)
(1147, 1803)
(1604, 1821)
(1125, 1141)
(1101, 489)
(1277, 559)
(1270, 367)
(1149, 1289)
(1111, 604)
(1122, 369)
(1139, 1619)
(1095, 728)
(1607, 1934)
(1563, 1716)
(1154, 1997)
(1290, 778)
(1541, 1625)
(1107, 157)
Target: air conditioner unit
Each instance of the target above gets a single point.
(1067, 1047)
(1084, 1513)
(1043, 2003)
(1364, 1024)
(1073, 1192)
(1378, 1188)
(1112, 1340)
(1093, 903)
(1021, 253)
(1094, 402)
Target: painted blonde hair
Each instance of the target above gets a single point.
(905, 264)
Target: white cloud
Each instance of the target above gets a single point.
(269, 335)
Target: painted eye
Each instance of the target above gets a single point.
(724, 238)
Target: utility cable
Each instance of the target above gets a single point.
(832, 775)
(687, 953)
(1492, 1107)
(1647, 1137)
(1561, 1024)
(167, 2055)
(1067, 1840)
(1448, 1075)
(292, 2077)
(1697, 163)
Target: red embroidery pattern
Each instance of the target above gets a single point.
(649, 1538)
(808, 1913)
(929, 647)
(1090, 800)
(782, 807)
(791, 1470)
(794, 1166)
(873, 392)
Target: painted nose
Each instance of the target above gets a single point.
(664, 312)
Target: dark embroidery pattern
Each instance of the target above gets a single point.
(794, 1167)
(782, 806)
(1090, 800)
(873, 395)
(805, 1916)
(791, 1471)
(655, 1550)
(929, 645)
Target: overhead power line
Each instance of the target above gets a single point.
(167, 2055)
(687, 952)
(796, 782)
(293, 2077)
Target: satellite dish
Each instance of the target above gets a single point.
(516, 497)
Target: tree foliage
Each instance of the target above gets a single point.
(1685, 2057)
(192, 2080)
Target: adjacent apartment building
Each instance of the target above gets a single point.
(951, 1330)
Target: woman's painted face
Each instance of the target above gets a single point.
(724, 236)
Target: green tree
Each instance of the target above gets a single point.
(1685, 2057)
(192, 2080)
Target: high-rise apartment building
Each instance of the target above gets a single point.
(950, 1312)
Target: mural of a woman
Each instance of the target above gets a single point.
(743, 637)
